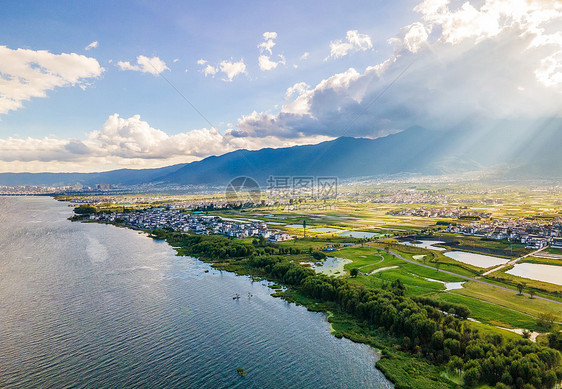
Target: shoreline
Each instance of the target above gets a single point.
(390, 363)
(404, 360)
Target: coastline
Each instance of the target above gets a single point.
(402, 369)
(423, 342)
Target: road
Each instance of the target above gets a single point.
(472, 278)
(511, 263)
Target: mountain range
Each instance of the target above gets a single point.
(510, 148)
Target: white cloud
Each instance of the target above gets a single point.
(456, 68)
(92, 45)
(264, 60)
(268, 42)
(127, 142)
(144, 64)
(175, 60)
(232, 69)
(269, 35)
(25, 74)
(229, 68)
(354, 41)
(305, 56)
(209, 70)
(265, 63)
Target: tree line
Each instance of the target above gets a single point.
(436, 330)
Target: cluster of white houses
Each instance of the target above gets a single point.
(440, 212)
(163, 218)
(534, 235)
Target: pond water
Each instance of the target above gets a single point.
(324, 230)
(538, 272)
(449, 285)
(359, 234)
(478, 260)
(426, 244)
(332, 266)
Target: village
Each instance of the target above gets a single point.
(440, 212)
(533, 234)
(175, 220)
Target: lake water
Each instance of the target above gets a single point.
(538, 272)
(478, 260)
(90, 305)
(426, 244)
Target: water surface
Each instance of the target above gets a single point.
(478, 260)
(360, 234)
(90, 305)
(332, 266)
(425, 244)
(538, 272)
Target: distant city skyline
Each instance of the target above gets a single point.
(97, 86)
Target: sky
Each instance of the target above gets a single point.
(93, 86)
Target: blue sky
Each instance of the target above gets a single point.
(111, 105)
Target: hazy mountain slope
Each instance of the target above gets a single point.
(511, 147)
(121, 176)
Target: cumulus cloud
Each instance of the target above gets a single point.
(144, 64)
(128, 142)
(264, 60)
(454, 68)
(268, 42)
(354, 41)
(305, 56)
(232, 69)
(92, 45)
(25, 74)
(229, 68)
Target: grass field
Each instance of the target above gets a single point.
(509, 299)
(489, 305)
(545, 261)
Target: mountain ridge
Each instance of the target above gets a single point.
(415, 150)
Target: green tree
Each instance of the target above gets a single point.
(555, 340)
(84, 209)
(472, 376)
(545, 321)
(354, 272)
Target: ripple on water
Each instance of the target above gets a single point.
(89, 305)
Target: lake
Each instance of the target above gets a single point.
(538, 272)
(478, 260)
(90, 305)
